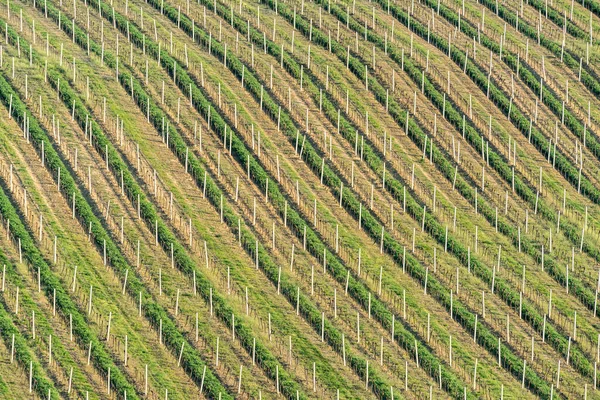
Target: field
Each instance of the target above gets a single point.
(299, 199)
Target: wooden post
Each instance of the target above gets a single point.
(499, 353)
(417, 353)
(125, 280)
(483, 303)
(475, 375)
(335, 302)
(544, 330)
(89, 353)
(180, 353)
(108, 327)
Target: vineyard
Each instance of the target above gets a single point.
(392, 199)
